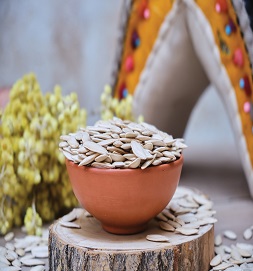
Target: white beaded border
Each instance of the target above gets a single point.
(121, 33)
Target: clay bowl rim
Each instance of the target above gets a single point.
(180, 160)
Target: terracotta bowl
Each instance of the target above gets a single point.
(124, 200)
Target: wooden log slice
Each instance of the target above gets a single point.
(91, 248)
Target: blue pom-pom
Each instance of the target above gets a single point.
(242, 83)
(124, 93)
(228, 29)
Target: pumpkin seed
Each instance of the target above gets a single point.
(102, 165)
(117, 143)
(216, 260)
(166, 226)
(235, 254)
(148, 163)
(162, 217)
(174, 224)
(168, 154)
(126, 146)
(32, 262)
(73, 143)
(116, 150)
(187, 231)
(40, 251)
(65, 137)
(117, 157)
(230, 235)
(148, 146)
(88, 159)
(4, 260)
(207, 220)
(201, 199)
(9, 236)
(244, 252)
(101, 158)
(131, 134)
(218, 240)
(143, 138)
(2, 250)
(222, 266)
(70, 216)
(156, 142)
(157, 162)
(157, 238)
(135, 163)
(118, 164)
(247, 234)
(10, 268)
(107, 142)
(187, 204)
(180, 221)
(138, 150)
(168, 214)
(11, 255)
(16, 263)
(69, 224)
(188, 218)
(92, 146)
(38, 268)
(192, 225)
(67, 155)
(82, 149)
(9, 246)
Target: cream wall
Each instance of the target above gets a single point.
(70, 43)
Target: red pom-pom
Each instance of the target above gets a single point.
(129, 64)
(221, 6)
(247, 87)
(238, 58)
(143, 8)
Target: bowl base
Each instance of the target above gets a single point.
(125, 230)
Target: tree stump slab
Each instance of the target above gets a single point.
(91, 248)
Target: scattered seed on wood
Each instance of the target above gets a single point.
(187, 231)
(157, 238)
(69, 225)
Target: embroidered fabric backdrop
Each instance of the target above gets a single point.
(73, 44)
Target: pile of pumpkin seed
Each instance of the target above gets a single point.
(187, 212)
(121, 144)
(236, 256)
(28, 252)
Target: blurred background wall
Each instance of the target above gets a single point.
(72, 43)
